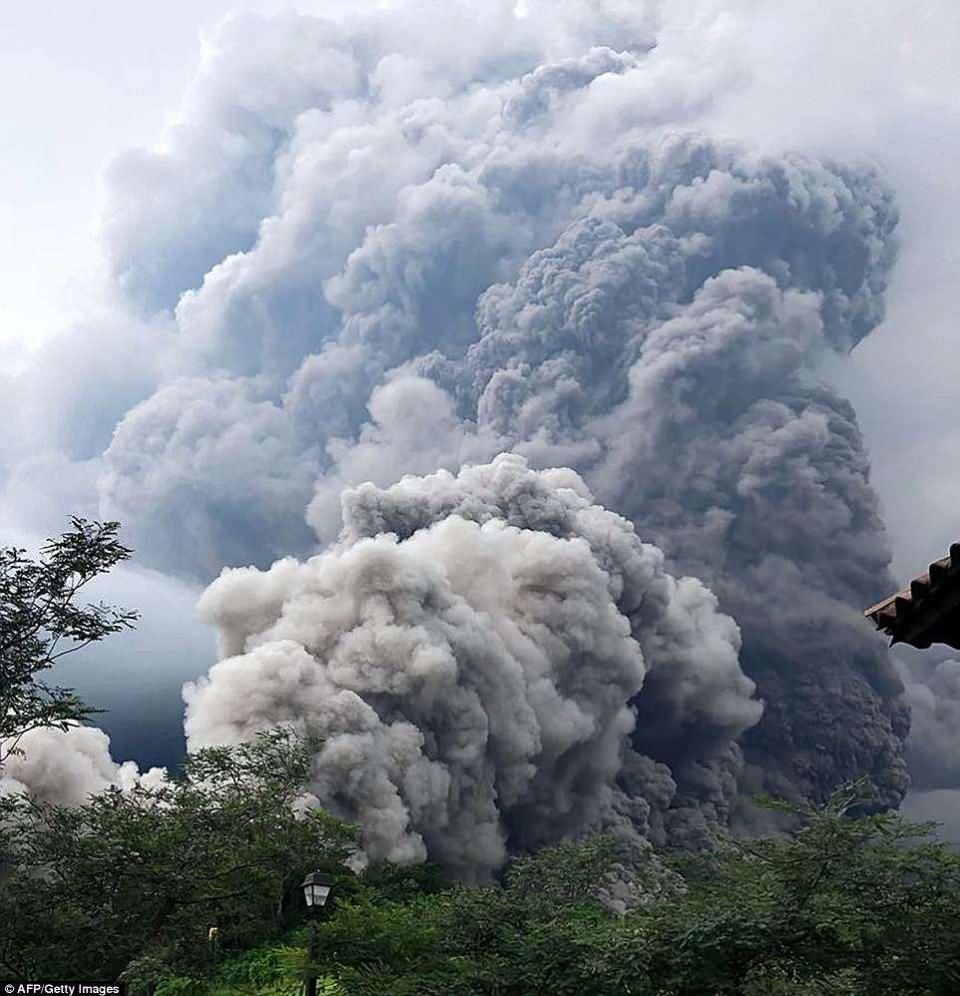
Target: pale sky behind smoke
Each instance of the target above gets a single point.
(79, 83)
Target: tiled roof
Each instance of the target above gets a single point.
(926, 612)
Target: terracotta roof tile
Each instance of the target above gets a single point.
(927, 610)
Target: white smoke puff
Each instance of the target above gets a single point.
(414, 430)
(471, 652)
(697, 697)
(548, 83)
(67, 767)
(211, 179)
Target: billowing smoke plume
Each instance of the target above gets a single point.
(373, 249)
(470, 652)
(67, 767)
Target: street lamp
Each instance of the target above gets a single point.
(316, 888)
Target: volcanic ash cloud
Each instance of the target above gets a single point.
(423, 237)
(471, 650)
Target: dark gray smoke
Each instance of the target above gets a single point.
(669, 356)
(373, 249)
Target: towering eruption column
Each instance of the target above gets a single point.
(415, 261)
(671, 356)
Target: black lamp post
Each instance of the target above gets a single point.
(316, 888)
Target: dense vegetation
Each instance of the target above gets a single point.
(130, 885)
(145, 873)
(192, 883)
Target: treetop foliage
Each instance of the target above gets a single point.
(42, 622)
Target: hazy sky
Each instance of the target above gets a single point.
(80, 82)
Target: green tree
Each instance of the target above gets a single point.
(850, 903)
(502, 938)
(853, 904)
(42, 622)
(142, 876)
